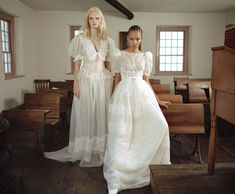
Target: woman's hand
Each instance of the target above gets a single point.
(107, 65)
(163, 103)
(76, 89)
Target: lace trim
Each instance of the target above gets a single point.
(87, 150)
(85, 73)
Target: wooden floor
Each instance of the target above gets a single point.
(43, 176)
(192, 179)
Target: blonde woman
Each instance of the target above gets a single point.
(138, 132)
(91, 50)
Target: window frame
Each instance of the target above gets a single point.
(185, 29)
(73, 28)
(10, 20)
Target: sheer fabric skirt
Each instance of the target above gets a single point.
(138, 136)
(89, 122)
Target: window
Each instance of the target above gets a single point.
(172, 50)
(7, 44)
(122, 40)
(74, 30)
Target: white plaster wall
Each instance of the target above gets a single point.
(12, 90)
(230, 17)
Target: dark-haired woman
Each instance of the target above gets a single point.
(138, 133)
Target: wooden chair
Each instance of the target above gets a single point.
(186, 119)
(41, 84)
(26, 128)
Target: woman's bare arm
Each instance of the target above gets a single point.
(76, 89)
(116, 80)
(107, 65)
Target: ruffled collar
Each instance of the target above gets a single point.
(91, 51)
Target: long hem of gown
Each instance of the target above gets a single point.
(63, 155)
(133, 186)
(90, 152)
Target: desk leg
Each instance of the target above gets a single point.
(212, 146)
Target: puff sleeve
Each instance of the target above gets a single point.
(113, 51)
(75, 48)
(148, 63)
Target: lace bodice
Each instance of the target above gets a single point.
(134, 65)
(82, 48)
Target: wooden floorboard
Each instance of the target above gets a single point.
(192, 178)
(90, 180)
(44, 176)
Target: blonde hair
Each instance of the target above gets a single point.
(102, 30)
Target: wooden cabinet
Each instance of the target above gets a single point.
(223, 94)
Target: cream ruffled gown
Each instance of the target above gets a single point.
(138, 132)
(88, 125)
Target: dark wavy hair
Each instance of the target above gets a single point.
(135, 28)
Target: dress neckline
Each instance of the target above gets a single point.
(132, 52)
(93, 45)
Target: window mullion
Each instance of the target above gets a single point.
(7, 44)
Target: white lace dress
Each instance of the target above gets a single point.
(138, 132)
(88, 125)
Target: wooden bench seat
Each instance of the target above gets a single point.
(47, 101)
(174, 99)
(63, 84)
(161, 88)
(154, 81)
(180, 82)
(65, 101)
(26, 128)
(52, 122)
(62, 92)
(193, 90)
(186, 119)
(67, 86)
(196, 90)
